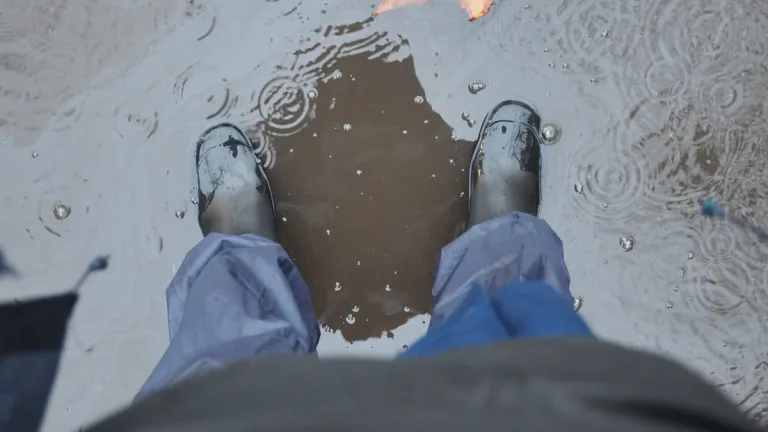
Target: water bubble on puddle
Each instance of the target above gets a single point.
(682, 272)
(337, 287)
(669, 305)
(406, 309)
(627, 243)
(593, 80)
(405, 132)
(347, 127)
(604, 205)
(387, 288)
(689, 256)
(355, 308)
(419, 99)
(312, 94)
(35, 155)
(194, 201)
(550, 133)
(61, 211)
(350, 319)
(605, 34)
(578, 188)
(328, 232)
(359, 172)
(358, 263)
(180, 214)
(285, 219)
(551, 64)
(476, 87)
(526, 7)
(565, 66)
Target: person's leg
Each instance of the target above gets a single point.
(237, 294)
(506, 276)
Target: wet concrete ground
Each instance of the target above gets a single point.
(660, 104)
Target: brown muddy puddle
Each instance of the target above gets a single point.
(367, 194)
(661, 104)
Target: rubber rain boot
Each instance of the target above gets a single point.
(505, 167)
(233, 189)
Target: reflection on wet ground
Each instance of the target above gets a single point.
(659, 104)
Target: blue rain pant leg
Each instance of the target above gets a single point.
(233, 298)
(502, 279)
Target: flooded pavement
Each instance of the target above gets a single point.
(366, 126)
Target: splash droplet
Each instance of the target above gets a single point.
(350, 319)
(578, 302)
(476, 87)
(669, 305)
(604, 205)
(578, 188)
(387, 288)
(180, 214)
(35, 155)
(359, 172)
(337, 287)
(406, 309)
(627, 243)
(689, 256)
(61, 211)
(312, 94)
(347, 127)
(419, 99)
(551, 133)
(355, 308)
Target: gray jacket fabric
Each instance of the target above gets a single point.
(538, 384)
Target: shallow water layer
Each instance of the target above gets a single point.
(366, 126)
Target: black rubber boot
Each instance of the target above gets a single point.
(234, 193)
(504, 171)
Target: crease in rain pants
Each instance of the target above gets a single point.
(236, 297)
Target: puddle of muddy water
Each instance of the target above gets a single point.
(657, 104)
(367, 194)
